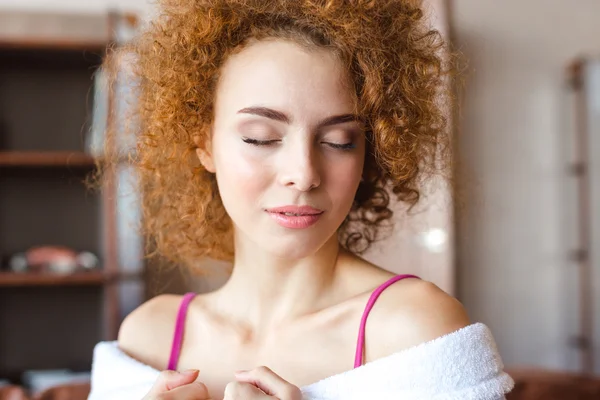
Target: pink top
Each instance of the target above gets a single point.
(358, 360)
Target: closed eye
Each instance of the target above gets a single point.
(341, 146)
(257, 142)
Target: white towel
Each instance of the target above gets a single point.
(463, 365)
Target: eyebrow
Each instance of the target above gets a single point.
(282, 117)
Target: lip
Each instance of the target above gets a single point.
(305, 217)
(301, 210)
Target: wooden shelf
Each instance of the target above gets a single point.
(54, 30)
(46, 159)
(47, 279)
(51, 44)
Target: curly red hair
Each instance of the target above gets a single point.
(396, 66)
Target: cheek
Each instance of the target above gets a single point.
(343, 179)
(240, 176)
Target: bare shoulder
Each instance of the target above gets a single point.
(410, 314)
(147, 332)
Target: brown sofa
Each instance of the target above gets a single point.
(13, 392)
(537, 384)
(76, 391)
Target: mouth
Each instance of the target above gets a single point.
(295, 217)
(294, 214)
(296, 211)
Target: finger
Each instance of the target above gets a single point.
(270, 383)
(244, 391)
(192, 391)
(168, 380)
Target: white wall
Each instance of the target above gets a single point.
(512, 266)
(75, 5)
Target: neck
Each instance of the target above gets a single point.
(266, 291)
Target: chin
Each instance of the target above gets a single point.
(293, 251)
(293, 247)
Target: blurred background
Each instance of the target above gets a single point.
(518, 242)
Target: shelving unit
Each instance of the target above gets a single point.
(581, 208)
(46, 159)
(8, 279)
(47, 73)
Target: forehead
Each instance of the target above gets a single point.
(283, 74)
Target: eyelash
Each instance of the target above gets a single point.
(257, 142)
(339, 146)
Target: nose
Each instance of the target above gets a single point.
(300, 169)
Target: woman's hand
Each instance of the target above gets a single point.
(173, 385)
(261, 384)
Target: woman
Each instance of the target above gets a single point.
(272, 133)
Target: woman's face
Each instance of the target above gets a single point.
(286, 149)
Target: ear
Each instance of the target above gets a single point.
(203, 153)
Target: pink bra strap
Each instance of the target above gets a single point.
(179, 329)
(360, 345)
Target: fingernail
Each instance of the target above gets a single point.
(190, 372)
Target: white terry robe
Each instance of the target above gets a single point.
(462, 365)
